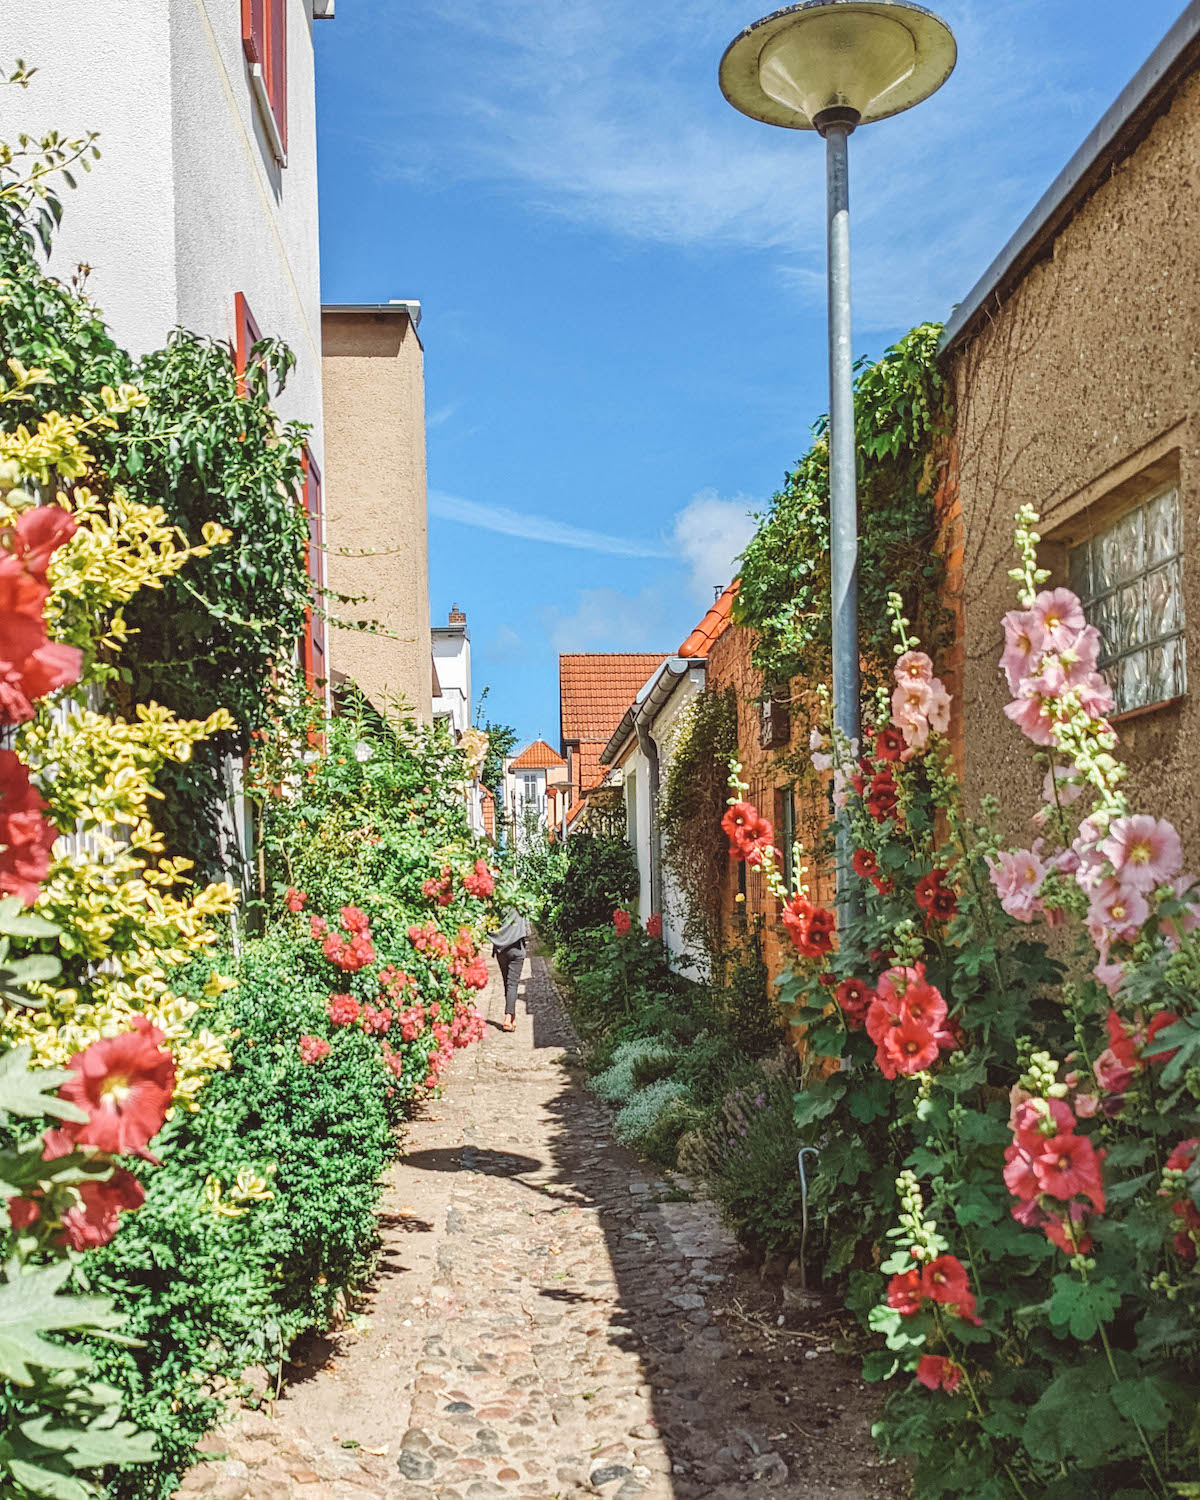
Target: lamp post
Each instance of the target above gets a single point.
(830, 66)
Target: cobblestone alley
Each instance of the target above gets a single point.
(543, 1324)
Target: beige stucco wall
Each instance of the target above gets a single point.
(373, 370)
(1080, 392)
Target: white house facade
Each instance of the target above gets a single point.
(531, 780)
(452, 664)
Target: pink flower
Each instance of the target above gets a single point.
(294, 900)
(1028, 713)
(1095, 696)
(913, 666)
(911, 703)
(313, 1049)
(937, 1372)
(938, 712)
(1023, 643)
(1144, 851)
(1017, 876)
(1118, 910)
(1062, 784)
(1059, 615)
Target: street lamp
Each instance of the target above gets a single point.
(829, 66)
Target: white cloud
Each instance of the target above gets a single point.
(505, 647)
(507, 522)
(442, 414)
(607, 620)
(709, 535)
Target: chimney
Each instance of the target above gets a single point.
(456, 616)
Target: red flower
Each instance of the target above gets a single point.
(907, 1048)
(37, 535)
(854, 996)
(317, 927)
(884, 887)
(882, 796)
(654, 925)
(313, 1049)
(125, 1084)
(94, 1220)
(811, 928)
(376, 1021)
(905, 1293)
(889, 743)
(344, 1010)
(355, 921)
(1158, 1023)
(26, 834)
(1183, 1155)
(945, 1280)
(864, 863)
(1072, 1241)
(480, 882)
(935, 898)
(23, 1213)
(622, 922)
(936, 1371)
(1066, 1166)
(750, 834)
(294, 900)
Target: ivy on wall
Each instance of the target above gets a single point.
(784, 595)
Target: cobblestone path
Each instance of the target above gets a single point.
(544, 1324)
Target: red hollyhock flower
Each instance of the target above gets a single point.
(810, 927)
(750, 834)
(935, 898)
(1019, 1176)
(125, 1084)
(622, 922)
(889, 743)
(905, 1293)
(313, 1049)
(882, 796)
(1183, 1155)
(94, 1220)
(855, 997)
(945, 1280)
(907, 1048)
(864, 862)
(1073, 1241)
(294, 900)
(654, 925)
(1158, 1023)
(884, 887)
(30, 664)
(26, 834)
(344, 1010)
(938, 1372)
(23, 1213)
(1066, 1166)
(37, 535)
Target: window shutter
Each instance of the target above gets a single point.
(277, 66)
(254, 31)
(245, 337)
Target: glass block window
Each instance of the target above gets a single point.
(1129, 577)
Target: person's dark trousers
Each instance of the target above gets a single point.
(511, 961)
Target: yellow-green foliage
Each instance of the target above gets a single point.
(127, 914)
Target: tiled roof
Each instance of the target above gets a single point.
(588, 770)
(596, 688)
(537, 757)
(713, 626)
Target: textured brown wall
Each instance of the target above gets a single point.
(1082, 383)
(374, 378)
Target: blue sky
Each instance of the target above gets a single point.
(622, 279)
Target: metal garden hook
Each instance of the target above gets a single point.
(800, 1155)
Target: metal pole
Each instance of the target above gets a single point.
(843, 488)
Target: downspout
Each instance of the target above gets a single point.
(649, 749)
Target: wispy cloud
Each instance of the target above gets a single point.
(610, 116)
(506, 522)
(606, 619)
(440, 415)
(709, 535)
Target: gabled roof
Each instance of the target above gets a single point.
(595, 689)
(537, 757)
(714, 624)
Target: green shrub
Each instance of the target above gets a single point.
(616, 1083)
(598, 875)
(654, 1119)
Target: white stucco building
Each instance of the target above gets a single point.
(452, 664)
(533, 783)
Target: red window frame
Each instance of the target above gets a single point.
(246, 335)
(264, 41)
(313, 643)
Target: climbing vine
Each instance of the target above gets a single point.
(899, 410)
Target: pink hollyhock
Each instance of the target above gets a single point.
(1061, 784)
(294, 900)
(26, 834)
(125, 1084)
(911, 702)
(1017, 875)
(313, 1049)
(1095, 696)
(1112, 1075)
(938, 712)
(344, 1010)
(908, 1048)
(622, 922)
(93, 1221)
(1028, 713)
(913, 666)
(1144, 851)
(654, 925)
(1119, 910)
(1024, 641)
(937, 1372)
(905, 1293)
(1059, 615)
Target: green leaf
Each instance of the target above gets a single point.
(48, 1483)
(26, 1091)
(1142, 1401)
(1075, 1416)
(1083, 1306)
(31, 1305)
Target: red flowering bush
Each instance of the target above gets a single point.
(654, 925)
(480, 882)
(622, 922)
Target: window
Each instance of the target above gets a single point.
(785, 821)
(529, 788)
(245, 337)
(631, 821)
(775, 717)
(1129, 577)
(264, 41)
(313, 647)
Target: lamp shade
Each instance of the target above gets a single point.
(874, 59)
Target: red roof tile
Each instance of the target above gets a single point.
(588, 770)
(537, 757)
(713, 626)
(596, 688)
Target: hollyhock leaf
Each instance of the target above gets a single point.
(924, 1161)
(1082, 1306)
(880, 1364)
(1182, 1035)
(974, 1205)
(815, 1104)
(30, 1092)
(1076, 1416)
(1141, 1400)
(30, 1306)
(1122, 1192)
(871, 1100)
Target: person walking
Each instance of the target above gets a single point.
(508, 949)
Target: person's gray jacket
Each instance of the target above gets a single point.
(513, 930)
